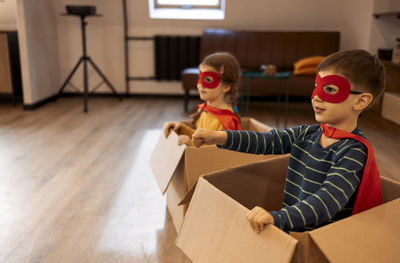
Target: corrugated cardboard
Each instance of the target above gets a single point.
(391, 106)
(215, 226)
(223, 234)
(177, 168)
(164, 160)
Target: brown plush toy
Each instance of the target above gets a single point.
(183, 129)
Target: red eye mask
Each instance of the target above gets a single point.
(209, 79)
(340, 82)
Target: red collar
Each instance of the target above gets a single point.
(228, 119)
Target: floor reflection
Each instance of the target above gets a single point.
(138, 213)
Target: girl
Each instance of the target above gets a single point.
(219, 73)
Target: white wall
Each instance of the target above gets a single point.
(105, 34)
(105, 44)
(38, 49)
(385, 29)
(8, 15)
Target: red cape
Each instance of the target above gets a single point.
(369, 191)
(228, 119)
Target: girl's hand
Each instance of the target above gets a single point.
(168, 127)
(205, 136)
(258, 217)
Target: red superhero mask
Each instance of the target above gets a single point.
(209, 79)
(329, 93)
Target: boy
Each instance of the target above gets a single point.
(332, 171)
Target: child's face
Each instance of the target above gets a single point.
(211, 93)
(338, 111)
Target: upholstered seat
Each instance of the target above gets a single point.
(254, 48)
(189, 81)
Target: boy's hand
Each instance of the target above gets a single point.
(258, 218)
(205, 136)
(168, 127)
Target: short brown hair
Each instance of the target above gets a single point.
(360, 68)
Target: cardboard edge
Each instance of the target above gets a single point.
(307, 250)
(160, 158)
(189, 195)
(317, 235)
(290, 247)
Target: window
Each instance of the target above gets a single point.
(188, 3)
(187, 9)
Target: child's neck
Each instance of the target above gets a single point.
(220, 104)
(344, 126)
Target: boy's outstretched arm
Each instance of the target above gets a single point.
(272, 142)
(206, 136)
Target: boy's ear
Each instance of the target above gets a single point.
(363, 101)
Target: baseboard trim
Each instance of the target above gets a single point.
(6, 97)
(40, 103)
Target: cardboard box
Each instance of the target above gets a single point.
(391, 107)
(215, 228)
(177, 168)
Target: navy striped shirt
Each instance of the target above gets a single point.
(320, 182)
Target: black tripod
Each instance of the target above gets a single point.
(84, 58)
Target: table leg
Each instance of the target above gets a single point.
(287, 100)
(248, 84)
(278, 103)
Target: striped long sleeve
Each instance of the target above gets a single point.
(320, 183)
(272, 142)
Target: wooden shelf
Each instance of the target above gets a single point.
(377, 15)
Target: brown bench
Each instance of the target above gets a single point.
(254, 48)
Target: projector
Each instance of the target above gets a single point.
(81, 10)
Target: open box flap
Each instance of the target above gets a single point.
(250, 183)
(165, 158)
(260, 183)
(209, 158)
(308, 251)
(371, 236)
(215, 229)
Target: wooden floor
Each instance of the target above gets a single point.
(76, 187)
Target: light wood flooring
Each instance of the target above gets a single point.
(76, 187)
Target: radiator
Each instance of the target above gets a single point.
(173, 54)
